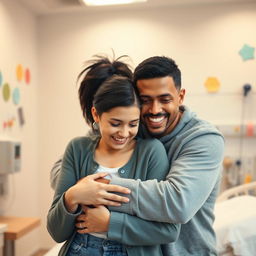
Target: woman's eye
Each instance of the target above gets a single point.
(114, 125)
(133, 125)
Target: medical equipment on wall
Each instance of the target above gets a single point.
(10, 156)
(240, 168)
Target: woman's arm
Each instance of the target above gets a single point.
(102, 194)
(69, 194)
(60, 222)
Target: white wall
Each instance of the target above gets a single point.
(204, 40)
(18, 45)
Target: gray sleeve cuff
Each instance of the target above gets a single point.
(116, 227)
(133, 186)
(66, 212)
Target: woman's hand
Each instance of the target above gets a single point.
(93, 220)
(88, 191)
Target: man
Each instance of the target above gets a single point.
(195, 151)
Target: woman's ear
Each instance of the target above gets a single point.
(95, 114)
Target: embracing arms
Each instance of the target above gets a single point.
(70, 194)
(132, 230)
(131, 226)
(192, 177)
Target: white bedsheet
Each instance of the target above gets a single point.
(235, 225)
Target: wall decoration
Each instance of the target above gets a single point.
(1, 78)
(247, 52)
(16, 96)
(9, 123)
(21, 116)
(23, 75)
(212, 84)
(250, 129)
(27, 76)
(19, 72)
(6, 92)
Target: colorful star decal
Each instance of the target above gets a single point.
(247, 52)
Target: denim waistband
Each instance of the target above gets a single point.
(89, 240)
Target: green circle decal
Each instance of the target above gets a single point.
(6, 92)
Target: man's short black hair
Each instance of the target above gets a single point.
(156, 67)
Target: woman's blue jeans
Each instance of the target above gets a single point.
(88, 245)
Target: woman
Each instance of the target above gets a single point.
(111, 107)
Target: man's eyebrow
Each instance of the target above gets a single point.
(165, 95)
(158, 96)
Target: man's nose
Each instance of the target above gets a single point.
(155, 108)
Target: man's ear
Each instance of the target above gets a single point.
(182, 93)
(95, 114)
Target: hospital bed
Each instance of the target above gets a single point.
(235, 222)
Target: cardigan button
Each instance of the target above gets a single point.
(122, 171)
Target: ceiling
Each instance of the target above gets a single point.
(44, 7)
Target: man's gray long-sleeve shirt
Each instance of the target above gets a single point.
(195, 151)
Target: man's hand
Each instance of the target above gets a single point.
(93, 220)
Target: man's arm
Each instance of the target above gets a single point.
(191, 179)
(132, 230)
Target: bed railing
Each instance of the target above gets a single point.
(245, 189)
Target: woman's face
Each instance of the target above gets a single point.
(118, 126)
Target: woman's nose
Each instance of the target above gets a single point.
(124, 131)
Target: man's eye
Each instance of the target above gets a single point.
(165, 101)
(145, 101)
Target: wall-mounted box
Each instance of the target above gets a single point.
(10, 156)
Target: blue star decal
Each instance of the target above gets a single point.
(247, 52)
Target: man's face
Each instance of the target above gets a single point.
(160, 104)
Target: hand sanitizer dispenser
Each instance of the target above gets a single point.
(10, 153)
